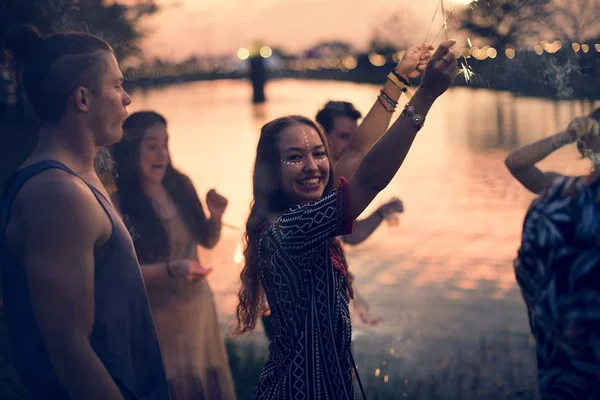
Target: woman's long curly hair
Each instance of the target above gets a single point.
(149, 235)
(269, 199)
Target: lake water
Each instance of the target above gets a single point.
(443, 277)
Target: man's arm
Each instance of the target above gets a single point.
(363, 229)
(521, 162)
(56, 245)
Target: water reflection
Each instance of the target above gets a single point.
(445, 273)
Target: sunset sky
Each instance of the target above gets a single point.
(186, 27)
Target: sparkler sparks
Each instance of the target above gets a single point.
(238, 256)
(465, 68)
(466, 71)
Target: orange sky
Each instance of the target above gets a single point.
(195, 27)
(185, 27)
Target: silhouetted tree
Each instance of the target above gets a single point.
(116, 22)
(504, 23)
(330, 48)
(574, 20)
(393, 33)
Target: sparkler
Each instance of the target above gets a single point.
(444, 27)
(443, 16)
(465, 68)
(431, 24)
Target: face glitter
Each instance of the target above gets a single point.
(307, 143)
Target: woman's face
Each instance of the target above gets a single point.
(304, 163)
(154, 154)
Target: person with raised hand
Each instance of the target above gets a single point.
(291, 253)
(521, 162)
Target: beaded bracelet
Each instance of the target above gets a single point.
(384, 106)
(388, 98)
(400, 78)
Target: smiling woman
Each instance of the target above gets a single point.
(292, 254)
(154, 155)
(168, 222)
(305, 170)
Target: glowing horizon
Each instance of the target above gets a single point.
(191, 27)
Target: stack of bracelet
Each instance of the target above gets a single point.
(399, 81)
(393, 104)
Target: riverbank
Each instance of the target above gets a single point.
(564, 75)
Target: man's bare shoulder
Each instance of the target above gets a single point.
(55, 201)
(115, 198)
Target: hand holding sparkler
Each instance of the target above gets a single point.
(441, 70)
(414, 61)
(465, 68)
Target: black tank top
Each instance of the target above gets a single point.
(123, 335)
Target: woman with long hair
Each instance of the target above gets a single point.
(340, 122)
(291, 254)
(167, 222)
(522, 162)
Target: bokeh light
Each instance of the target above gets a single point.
(243, 53)
(266, 52)
(377, 59)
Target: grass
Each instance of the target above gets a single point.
(500, 368)
(495, 369)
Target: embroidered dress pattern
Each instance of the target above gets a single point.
(306, 290)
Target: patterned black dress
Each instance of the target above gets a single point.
(558, 270)
(309, 357)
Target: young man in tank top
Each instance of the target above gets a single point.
(76, 309)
